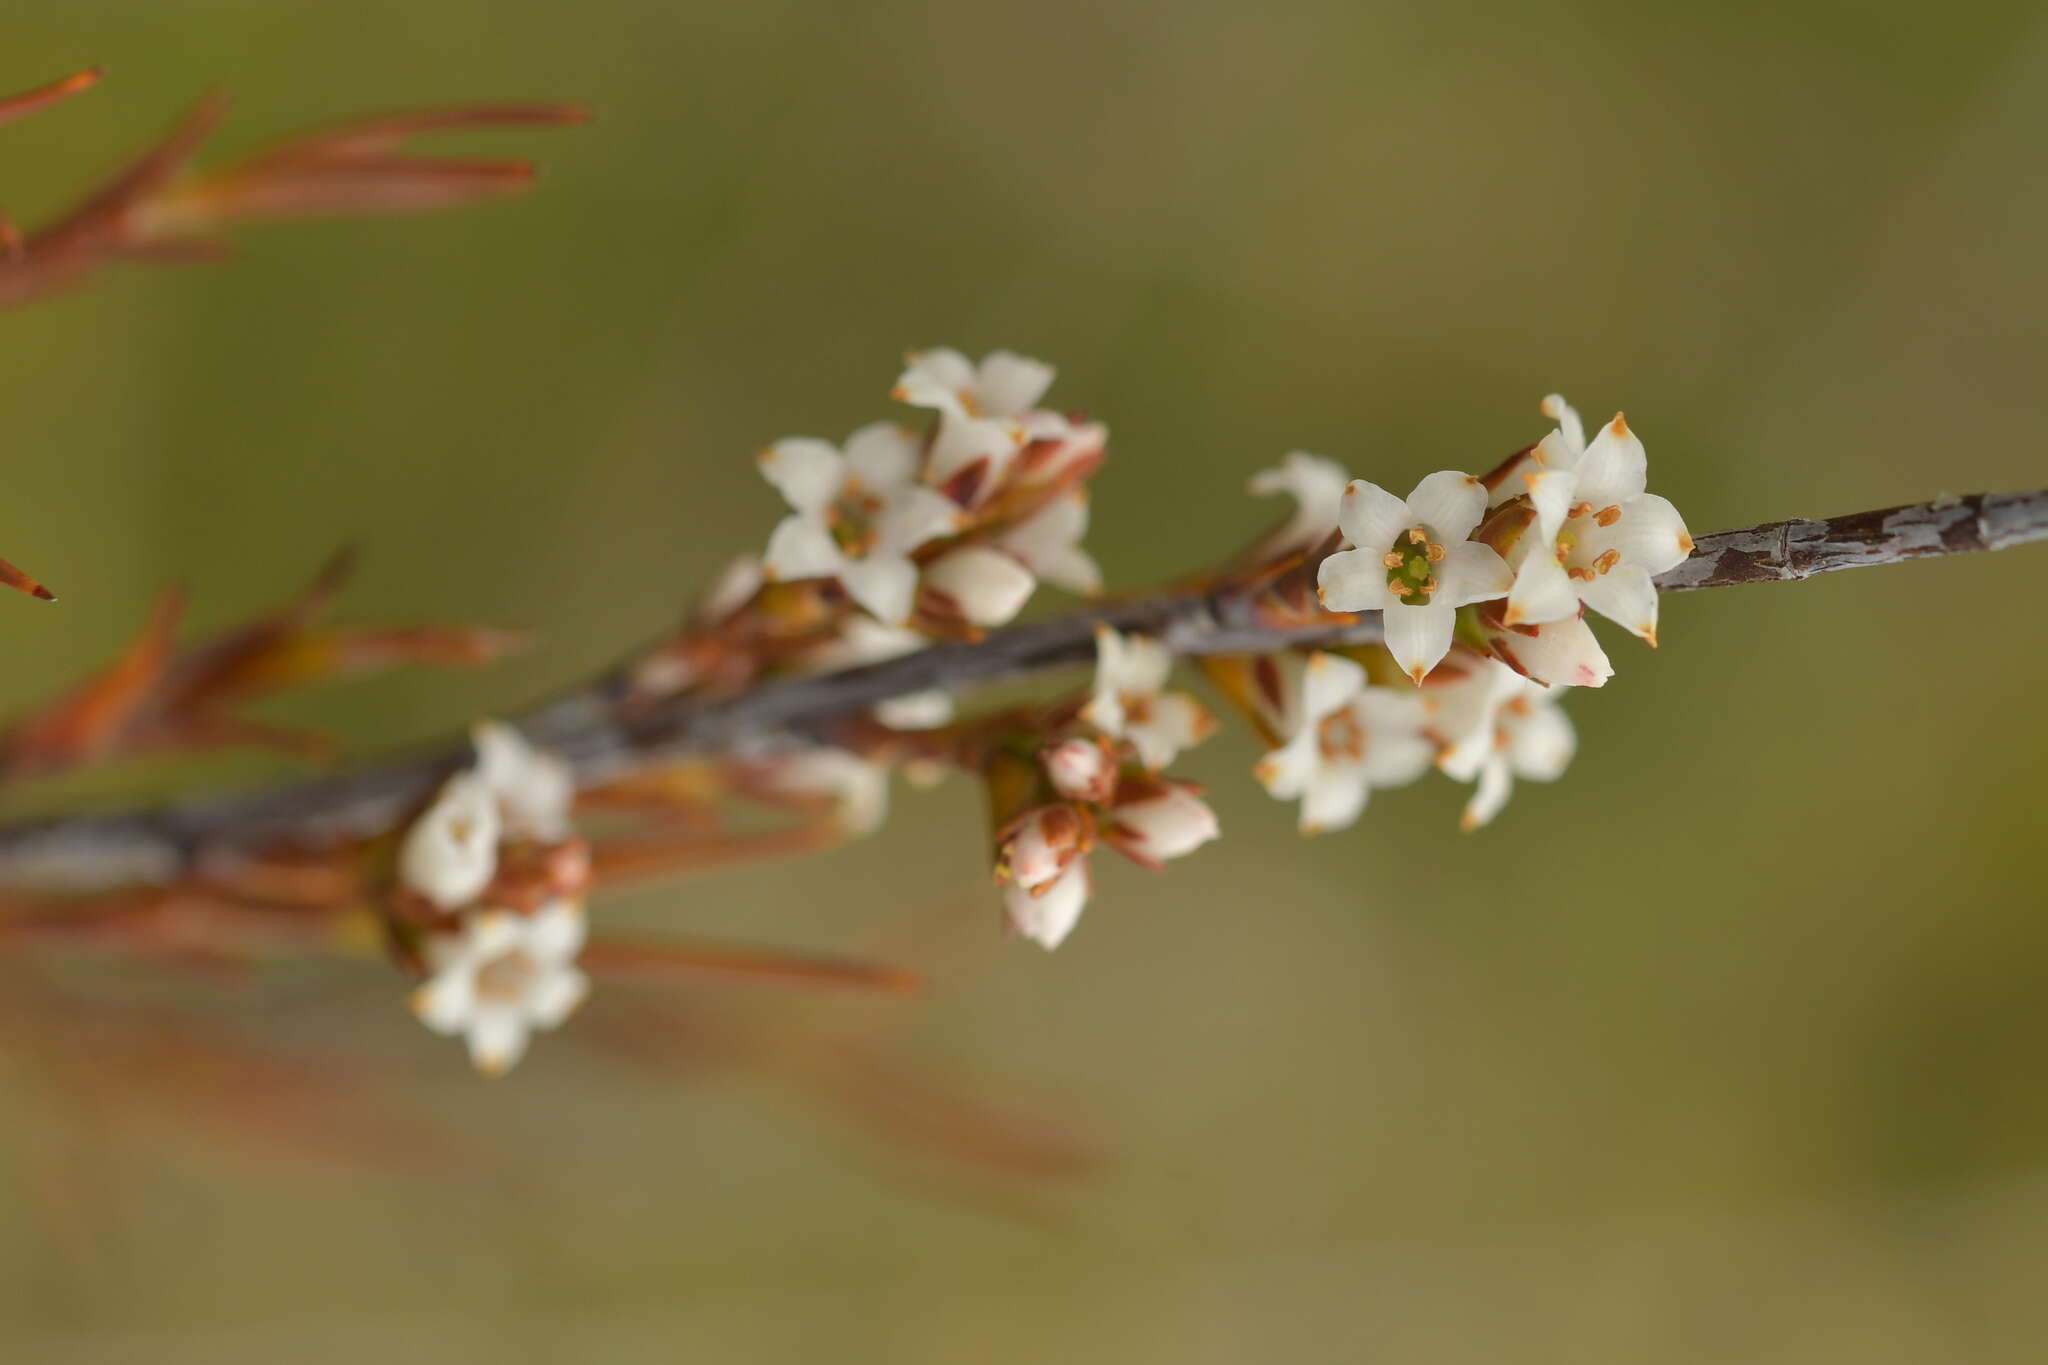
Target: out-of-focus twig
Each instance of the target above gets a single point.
(606, 732)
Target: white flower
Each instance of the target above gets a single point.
(1413, 564)
(450, 853)
(988, 586)
(1005, 384)
(1129, 701)
(503, 976)
(1046, 916)
(1597, 537)
(1560, 653)
(858, 788)
(1347, 739)
(858, 514)
(1081, 770)
(864, 640)
(534, 789)
(1169, 823)
(1317, 486)
(1049, 544)
(1496, 726)
(986, 412)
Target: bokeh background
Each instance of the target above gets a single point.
(1727, 1048)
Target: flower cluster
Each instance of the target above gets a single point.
(493, 877)
(1481, 585)
(1099, 781)
(950, 528)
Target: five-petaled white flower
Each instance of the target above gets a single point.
(534, 789)
(1413, 564)
(986, 412)
(858, 513)
(1347, 738)
(450, 853)
(1317, 486)
(1597, 537)
(1129, 700)
(1495, 726)
(502, 976)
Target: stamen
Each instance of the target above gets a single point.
(1579, 509)
(1607, 516)
(1417, 536)
(1607, 560)
(1393, 559)
(1586, 574)
(1428, 586)
(1435, 553)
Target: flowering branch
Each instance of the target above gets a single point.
(604, 735)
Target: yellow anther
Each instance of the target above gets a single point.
(1607, 560)
(1608, 515)
(1435, 553)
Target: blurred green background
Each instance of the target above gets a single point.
(1727, 1048)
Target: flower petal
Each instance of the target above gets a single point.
(800, 547)
(1626, 596)
(444, 1003)
(989, 586)
(912, 517)
(555, 996)
(497, 1038)
(450, 853)
(1541, 743)
(962, 440)
(1286, 772)
(1170, 825)
(884, 455)
(1371, 517)
(1614, 468)
(1419, 637)
(1569, 427)
(555, 932)
(1317, 486)
(1334, 799)
(1542, 591)
(808, 472)
(1394, 758)
(1495, 782)
(1176, 722)
(1354, 580)
(886, 585)
(1561, 653)
(1328, 682)
(534, 789)
(1471, 572)
(1010, 385)
(1550, 492)
(935, 379)
(1048, 917)
(1648, 532)
(1449, 503)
